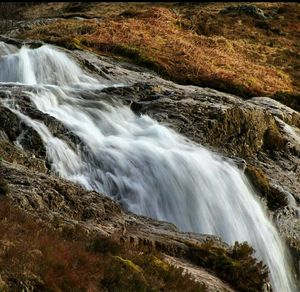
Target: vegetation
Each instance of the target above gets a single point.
(188, 43)
(236, 266)
(35, 255)
(275, 198)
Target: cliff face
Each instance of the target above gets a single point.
(259, 134)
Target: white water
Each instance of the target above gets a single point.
(148, 168)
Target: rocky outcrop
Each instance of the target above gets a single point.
(66, 207)
(17, 131)
(261, 131)
(251, 10)
(200, 275)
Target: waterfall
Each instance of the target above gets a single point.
(147, 167)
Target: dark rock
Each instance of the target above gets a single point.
(14, 127)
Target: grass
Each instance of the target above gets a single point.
(191, 44)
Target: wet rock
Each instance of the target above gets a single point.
(14, 127)
(63, 204)
(288, 221)
(12, 41)
(253, 130)
(27, 137)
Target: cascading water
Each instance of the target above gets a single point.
(147, 167)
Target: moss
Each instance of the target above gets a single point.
(237, 266)
(130, 264)
(258, 179)
(155, 267)
(77, 43)
(275, 198)
(123, 277)
(161, 264)
(241, 130)
(273, 140)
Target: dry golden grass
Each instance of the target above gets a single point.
(205, 49)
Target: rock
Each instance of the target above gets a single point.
(254, 130)
(288, 222)
(12, 41)
(56, 200)
(247, 9)
(212, 283)
(14, 127)
(12, 153)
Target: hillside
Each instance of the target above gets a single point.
(191, 99)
